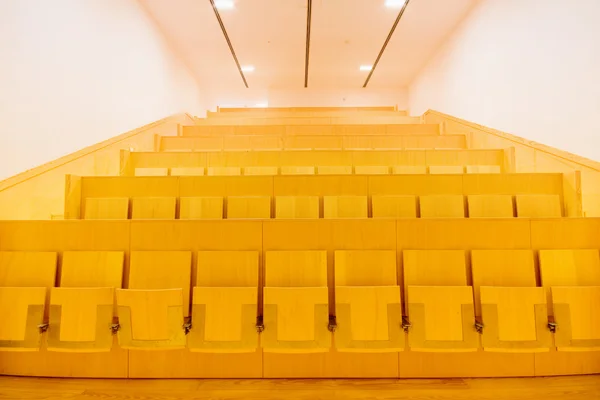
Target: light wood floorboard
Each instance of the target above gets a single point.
(563, 388)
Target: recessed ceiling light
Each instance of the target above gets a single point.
(224, 4)
(248, 68)
(366, 67)
(395, 3)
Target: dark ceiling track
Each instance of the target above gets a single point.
(228, 41)
(387, 40)
(307, 55)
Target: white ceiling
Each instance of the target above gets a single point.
(271, 34)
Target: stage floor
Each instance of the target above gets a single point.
(563, 388)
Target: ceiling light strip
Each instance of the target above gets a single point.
(212, 2)
(307, 55)
(386, 42)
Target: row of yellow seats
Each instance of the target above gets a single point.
(327, 170)
(235, 207)
(497, 307)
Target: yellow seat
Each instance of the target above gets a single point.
(394, 206)
(511, 307)
(27, 269)
(287, 170)
(261, 171)
(439, 301)
(201, 208)
(153, 208)
(223, 171)
(371, 170)
(538, 206)
(152, 310)
(296, 309)
(249, 207)
(225, 302)
(442, 206)
(450, 169)
(151, 171)
(334, 170)
(572, 282)
(345, 207)
(490, 206)
(576, 314)
(106, 208)
(24, 280)
(193, 171)
(296, 207)
(87, 269)
(409, 170)
(82, 309)
(81, 319)
(22, 310)
(483, 169)
(367, 302)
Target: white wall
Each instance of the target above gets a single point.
(527, 67)
(76, 72)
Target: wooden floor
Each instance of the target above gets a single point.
(564, 388)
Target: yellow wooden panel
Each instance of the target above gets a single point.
(224, 320)
(323, 185)
(249, 207)
(334, 170)
(365, 268)
(577, 313)
(313, 142)
(223, 186)
(22, 310)
(345, 207)
(513, 183)
(227, 269)
(261, 170)
(565, 233)
(249, 142)
(409, 169)
(570, 267)
(106, 208)
(201, 208)
(434, 268)
(223, 171)
(153, 208)
(442, 206)
(416, 185)
(151, 319)
(371, 170)
(490, 206)
(191, 171)
(483, 169)
(441, 318)
(538, 206)
(288, 170)
(296, 268)
(511, 268)
(129, 186)
(463, 233)
(151, 171)
(449, 169)
(369, 319)
(27, 268)
(80, 319)
(295, 319)
(297, 207)
(92, 269)
(162, 270)
(515, 319)
(394, 206)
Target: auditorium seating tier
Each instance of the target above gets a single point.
(306, 243)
